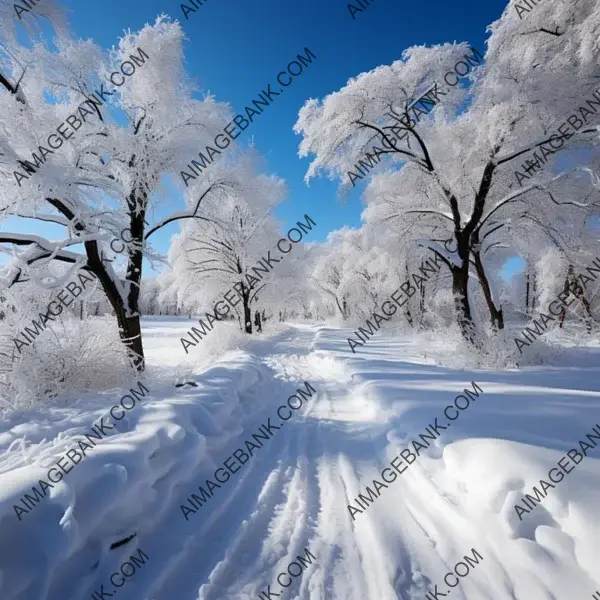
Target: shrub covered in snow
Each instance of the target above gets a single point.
(68, 358)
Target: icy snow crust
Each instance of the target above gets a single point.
(293, 493)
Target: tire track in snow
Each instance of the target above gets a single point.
(288, 512)
(307, 492)
(295, 497)
(345, 550)
(377, 575)
(273, 482)
(427, 517)
(288, 521)
(215, 526)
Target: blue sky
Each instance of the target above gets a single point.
(236, 48)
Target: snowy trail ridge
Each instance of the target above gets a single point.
(298, 470)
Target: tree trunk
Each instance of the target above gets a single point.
(496, 315)
(579, 293)
(131, 336)
(572, 285)
(129, 326)
(247, 311)
(588, 318)
(563, 312)
(460, 286)
(460, 291)
(132, 331)
(247, 319)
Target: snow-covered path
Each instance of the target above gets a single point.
(292, 495)
(430, 518)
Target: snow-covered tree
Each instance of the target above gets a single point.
(219, 250)
(452, 149)
(107, 175)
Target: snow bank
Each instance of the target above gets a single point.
(516, 475)
(124, 485)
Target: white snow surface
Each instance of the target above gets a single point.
(293, 493)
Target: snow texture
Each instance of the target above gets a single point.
(293, 493)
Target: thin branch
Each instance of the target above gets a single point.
(516, 195)
(47, 218)
(500, 244)
(256, 292)
(183, 215)
(544, 30)
(517, 153)
(411, 155)
(493, 230)
(433, 212)
(14, 90)
(139, 123)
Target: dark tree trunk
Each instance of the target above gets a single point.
(579, 293)
(133, 330)
(408, 314)
(131, 335)
(247, 319)
(572, 285)
(421, 304)
(460, 291)
(460, 287)
(247, 311)
(496, 314)
(129, 327)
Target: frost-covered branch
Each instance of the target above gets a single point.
(186, 214)
(411, 155)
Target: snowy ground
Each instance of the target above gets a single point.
(292, 495)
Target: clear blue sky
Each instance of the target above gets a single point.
(237, 47)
